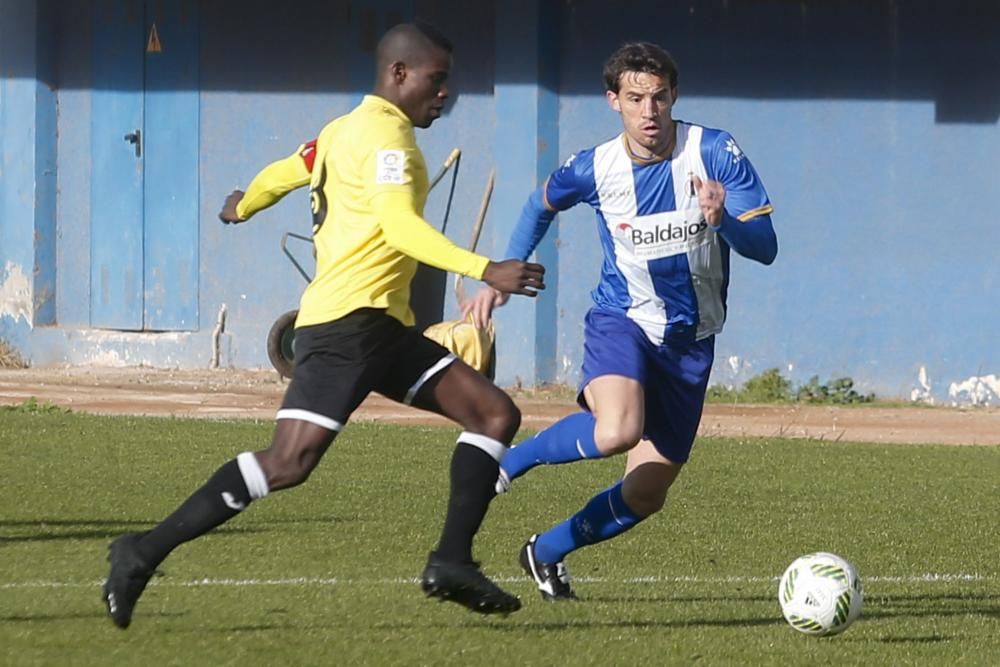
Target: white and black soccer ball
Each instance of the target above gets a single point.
(820, 594)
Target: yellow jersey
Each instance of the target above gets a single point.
(368, 189)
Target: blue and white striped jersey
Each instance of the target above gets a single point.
(664, 267)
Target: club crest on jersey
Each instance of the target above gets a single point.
(390, 167)
(662, 234)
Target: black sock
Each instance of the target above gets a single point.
(473, 479)
(222, 497)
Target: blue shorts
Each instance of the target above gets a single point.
(674, 377)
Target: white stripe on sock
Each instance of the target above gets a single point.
(614, 514)
(494, 448)
(253, 475)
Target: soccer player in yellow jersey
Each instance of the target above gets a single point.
(353, 335)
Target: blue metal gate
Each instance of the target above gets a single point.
(144, 180)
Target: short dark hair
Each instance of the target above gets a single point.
(435, 36)
(639, 57)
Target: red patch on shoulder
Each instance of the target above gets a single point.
(308, 154)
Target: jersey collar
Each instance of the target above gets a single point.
(665, 155)
(382, 103)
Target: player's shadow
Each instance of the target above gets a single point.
(549, 626)
(921, 599)
(321, 520)
(54, 530)
(262, 627)
(271, 622)
(930, 639)
(979, 603)
(75, 616)
(672, 599)
(15, 523)
(48, 530)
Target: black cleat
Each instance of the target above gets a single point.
(127, 579)
(465, 584)
(552, 579)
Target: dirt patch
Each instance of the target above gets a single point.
(232, 393)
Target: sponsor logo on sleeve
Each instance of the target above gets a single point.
(390, 167)
(733, 148)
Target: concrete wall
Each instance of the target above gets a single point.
(872, 124)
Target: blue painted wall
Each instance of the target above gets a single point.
(872, 124)
(27, 171)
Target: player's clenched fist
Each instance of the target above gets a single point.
(228, 213)
(515, 277)
(711, 199)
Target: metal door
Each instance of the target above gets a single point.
(144, 170)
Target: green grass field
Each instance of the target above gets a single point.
(326, 574)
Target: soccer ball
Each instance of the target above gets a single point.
(820, 594)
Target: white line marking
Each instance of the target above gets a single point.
(652, 579)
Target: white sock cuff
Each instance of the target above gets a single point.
(494, 448)
(253, 475)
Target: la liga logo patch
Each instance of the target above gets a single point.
(390, 167)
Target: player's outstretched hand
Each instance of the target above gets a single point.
(482, 304)
(711, 199)
(228, 213)
(515, 277)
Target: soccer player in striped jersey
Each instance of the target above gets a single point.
(354, 335)
(672, 200)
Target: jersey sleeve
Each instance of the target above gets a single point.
(531, 227)
(728, 164)
(571, 183)
(411, 235)
(746, 222)
(276, 180)
(392, 164)
(391, 179)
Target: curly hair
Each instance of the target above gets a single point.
(639, 57)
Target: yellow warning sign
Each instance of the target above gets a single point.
(153, 43)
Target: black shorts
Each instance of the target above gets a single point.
(337, 364)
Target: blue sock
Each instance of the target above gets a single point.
(569, 439)
(603, 517)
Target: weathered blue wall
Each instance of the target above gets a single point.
(872, 124)
(268, 82)
(27, 171)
